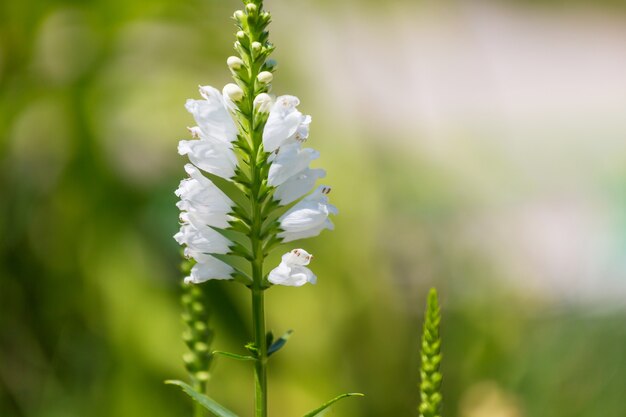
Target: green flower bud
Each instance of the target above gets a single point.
(256, 47)
(202, 376)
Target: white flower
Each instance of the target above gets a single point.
(290, 160)
(200, 197)
(292, 270)
(308, 217)
(199, 238)
(298, 185)
(211, 156)
(211, 114)
(208, 267)
(284, 124)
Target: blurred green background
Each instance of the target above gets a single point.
(479, 147)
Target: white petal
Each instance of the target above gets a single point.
(297, 257)
(283, 123)
(298, 185)
(200, 239)
(213, 157)
(289, 161)
(308, 217)
(199, 194)
(214, 120)
(291, 271)
(208, 268)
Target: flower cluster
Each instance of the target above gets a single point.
(219, 148)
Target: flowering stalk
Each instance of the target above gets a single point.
(249, 190)
(430, 385)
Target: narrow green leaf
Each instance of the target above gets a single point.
(231, 190)
(234, 356)
(211, 405)
(274, 347)
(318, 411)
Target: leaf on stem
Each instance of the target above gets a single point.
(324, 406)
(203, 400)
(274, 347)
(234, 356)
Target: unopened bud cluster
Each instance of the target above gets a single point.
(197, 335)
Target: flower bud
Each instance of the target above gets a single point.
(202, 376)
(233, 91)
(256, 47)
(239, 15)
(265, 77)
(234, 63)
(263, 103)
(251, 8)
(241, 35)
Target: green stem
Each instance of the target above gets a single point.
(198, 409)
(260, 366)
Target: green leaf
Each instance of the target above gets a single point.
(203, 400)
(231, 190)
(234, 356)
(274, 347)
(318, 411)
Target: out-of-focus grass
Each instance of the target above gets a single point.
(91, 109)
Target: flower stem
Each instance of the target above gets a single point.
(260, 367)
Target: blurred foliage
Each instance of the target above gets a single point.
(91, 98)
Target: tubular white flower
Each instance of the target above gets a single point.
(292, 270)
(285, 123)
(211, 156)
(200, 238)
(200, 197)
(290, 160)
(298, 185)
(308, 217)
(208, 267)
(211, 114)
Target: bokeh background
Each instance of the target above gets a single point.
(475, 146)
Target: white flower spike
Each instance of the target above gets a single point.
(292, 270)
